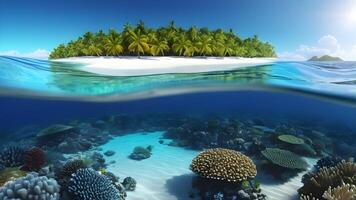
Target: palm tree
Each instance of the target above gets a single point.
(93, 49)
(138, 43)
(113, 45)
(159, 47)
(182, 45)
(205, 45)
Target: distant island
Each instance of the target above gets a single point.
(140, 40)
(325, 58)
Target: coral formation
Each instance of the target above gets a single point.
(31, 187)
(53, 130)
(129, 183)
(328, 161)
(284, 158)
(109, 153)
(12, 156)
(87, 184)
(68, 169)
(140, 153)
(343, 192)
(224, 164)
(34, 159)
(318, 183)
(291, 139)
(9, 174)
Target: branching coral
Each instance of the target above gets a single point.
(332, 177)
(284, 158)
(224, 164)
(343, 192)
(87, 184)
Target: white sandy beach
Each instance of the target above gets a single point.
(134, 66)
(166, 175)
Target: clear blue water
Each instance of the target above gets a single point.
(317, 96)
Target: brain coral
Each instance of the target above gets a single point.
(284, 158)
(87, 184)
(31, 187)
(223, 164)
(12, 156)
(291, 139)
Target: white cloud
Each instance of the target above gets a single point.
(327, 44)
(39, 53)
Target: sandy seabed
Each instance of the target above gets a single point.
(166, 175)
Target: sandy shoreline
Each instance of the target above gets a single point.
(133, 66)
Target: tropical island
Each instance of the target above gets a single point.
(139, 50)
(325, 58)
(164, 41)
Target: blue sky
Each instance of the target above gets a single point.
(297, 28)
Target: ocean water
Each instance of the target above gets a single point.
(179, 115)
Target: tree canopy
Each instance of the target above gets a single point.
(165, 41)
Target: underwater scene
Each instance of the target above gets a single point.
(177, 100)
(250, 133)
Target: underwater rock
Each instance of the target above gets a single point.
(223, 164)
(291, 139)
(87, 184)
(140, 153)
(34, 159)
(54, 130)
(284, 158)
(109, 153)
(129, 183)
(31, 187)
(12, 156)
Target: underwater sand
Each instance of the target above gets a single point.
(166, 175)
(287, 190)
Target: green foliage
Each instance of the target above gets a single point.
(169, 41)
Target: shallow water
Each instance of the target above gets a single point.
(312, 101)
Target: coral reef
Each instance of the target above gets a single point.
(318, 183)
(284, 158)
(223, 164)
(140, 153)
(34, 159)
(69, 168)
(31, 187)
(328, 161)
(12, 156)
(129, 183)
(87, 184)
(291, 139)
(343, 192)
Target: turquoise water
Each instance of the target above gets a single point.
(66, 80)
(176, 117)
